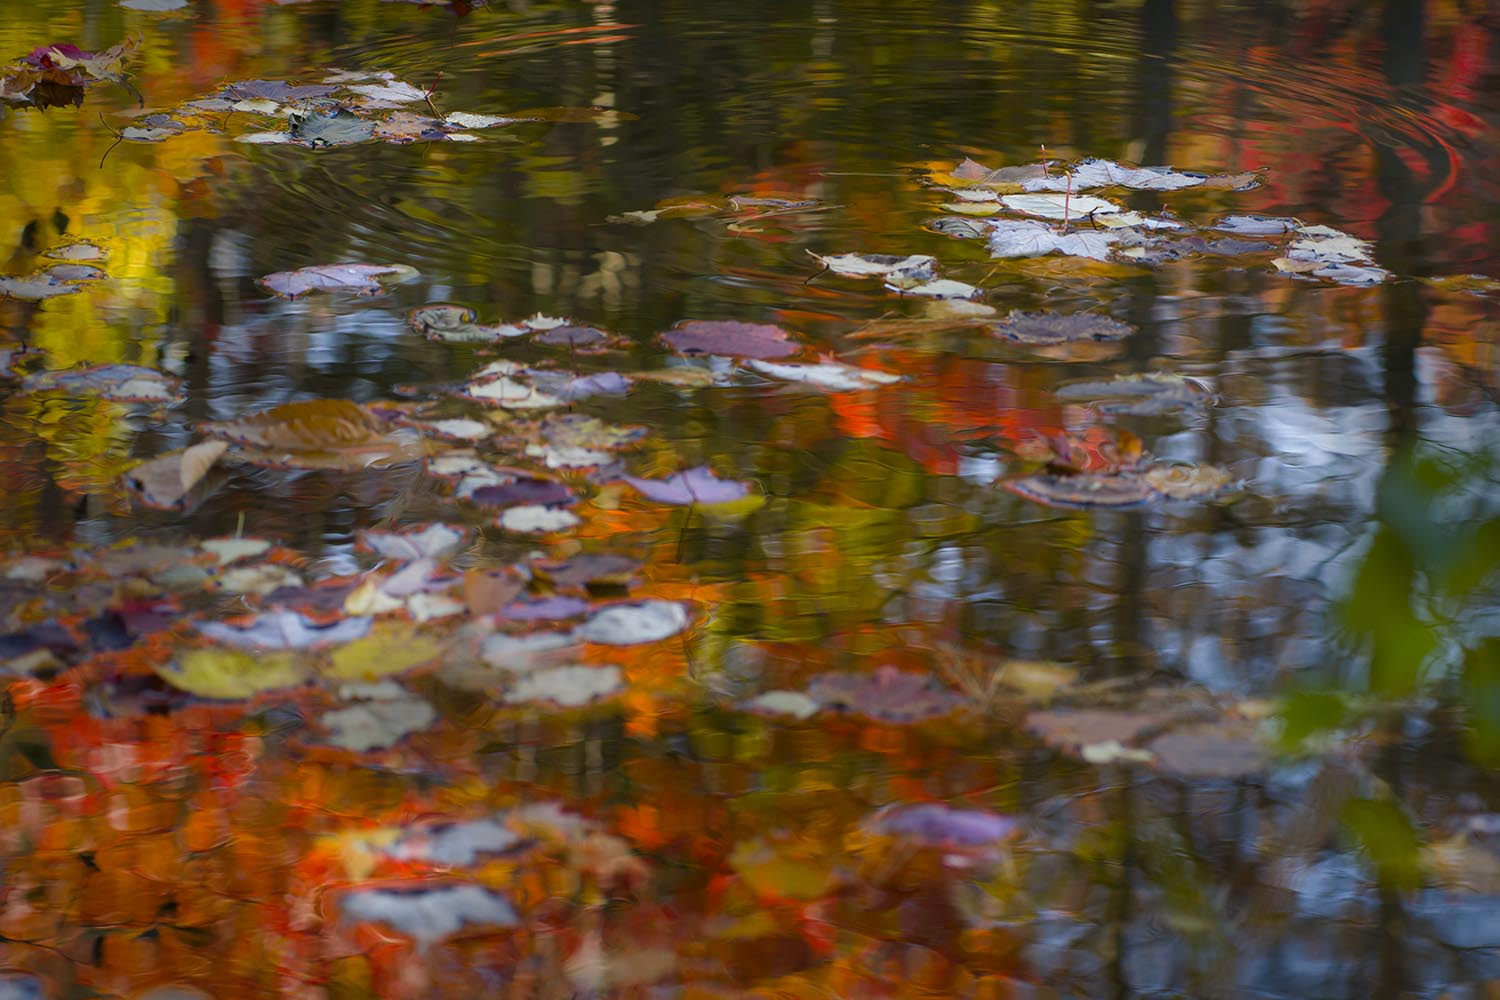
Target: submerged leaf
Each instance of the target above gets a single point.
(886, 694)
(936, 825)
(1188, 482)
(1060, 328)
(377, 725)
(318, 433)
(1141, 395)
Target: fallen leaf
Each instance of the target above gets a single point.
(531, 519)
(934, 825)
(692, 486)
(1058, 206)
(895, 270)
(377, 725)
(1060, 328)
(1082, 491)
(233, 674)
(885, 694)
(427, 542)
(454, 324)
(360, 279)
(831, 375)
(281, 630)
(120, 383)
(566, 687)
(425, 912)
(165, 481)
(744, 340)
(793, 703)
(1022, 238)
(1188, 482)
(634, 623)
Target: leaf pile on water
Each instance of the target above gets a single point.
(1329, 253)
(57, 75)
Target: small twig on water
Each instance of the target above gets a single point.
(1044, 160)
(427, 95)
(119, 138)
(1067, 199)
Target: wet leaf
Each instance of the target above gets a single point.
(359, 279)
(233, 674)
(468, 120)
(935, 825)
(589, 569)
(942, 288)
(894, 270)
(387, 650)
(121, 383)
(1094, 173)
(1081, 491)
(512, 394)
(1021, 238)
(1058, 206)
(455, 324)
(634, 623)
(455, 845)
(1143, 395)
(427, 913)
(1227, 749)
(1255, 225)
(79, 250)
(379, 724)
(279, 630)
(1189, 482)
(542, 492)
(692, 486)
(886, 694)
(229, 550)
(532, 519)
(523, 653)
(165, 481)
(743, 340)
(1060, 328)
(566, 687)
(427, 542)
(831, 375)
(793, 703)
(318, 433)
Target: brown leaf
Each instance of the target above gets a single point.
(165, 481)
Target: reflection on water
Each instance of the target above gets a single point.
(1285, 787)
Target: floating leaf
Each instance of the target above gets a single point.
(1058, 206)
(165, 481)
(232, 674)
(426, 542)
(885, 694)
(80, 250)
(935, 825)
(387, 650)
(427, 913)
(511, 394)
(457, 325)
(277, 630)
(589, 569)
(578, 338)
(1060, 328)
(1188, 482)
(228, 550)
(1022, 238)
(543, 492)
(1141, 395)
(1093, 173)
(831, 375)
(567, 687)
(692, 486)
(546, 609)
(377, 725)
(522, 653)
(634, 623)
(457, 845)
(942, 288)
(121, 383)
(895, 270)
(794, 703)
(360, 279)
(531, 519)
(319, 433)
(1082, 491)
(465, 119)
(1227, 749)
(743, 340)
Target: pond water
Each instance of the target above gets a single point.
(995, 654)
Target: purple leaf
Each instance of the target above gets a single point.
(285, 630)
(942, 826)
(698, 485)
(525, 492)
(744, 340)
(887, 694)
(545, 610)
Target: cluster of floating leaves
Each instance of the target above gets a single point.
(58, 75)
